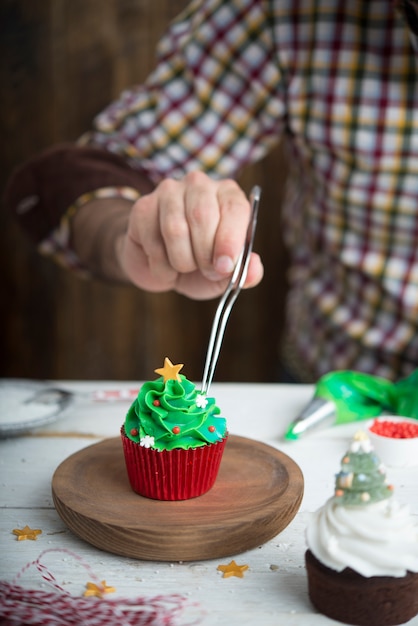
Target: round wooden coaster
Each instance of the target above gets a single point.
(257, 493)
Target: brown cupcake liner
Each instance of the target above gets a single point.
(172, 474)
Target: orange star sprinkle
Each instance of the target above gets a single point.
(97, 590)
(232, 569)
(26, 533)
(169, 371)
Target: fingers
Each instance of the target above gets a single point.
(189, 234)
(145, 257)
(232, 227)
(255, 271)
(195, 286)
(173, 227)
(217, 214)
(202, 212)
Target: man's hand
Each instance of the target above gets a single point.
(186, 236)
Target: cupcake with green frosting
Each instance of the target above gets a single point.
(173, 438)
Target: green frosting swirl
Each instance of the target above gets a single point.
(168, 415)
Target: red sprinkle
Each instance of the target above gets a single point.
(175, 430)
(394, 430)
(156, 402)
(134, 432)
(211, 429)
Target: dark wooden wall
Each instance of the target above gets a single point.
(62, 61)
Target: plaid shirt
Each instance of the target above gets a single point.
(339, 82)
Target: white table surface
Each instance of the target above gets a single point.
(273, 590)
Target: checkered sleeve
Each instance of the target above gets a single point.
(214, 101)
(45, 192)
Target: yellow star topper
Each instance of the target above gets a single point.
(26, 533)
(97, 590)
(360, 436)
(232, 569)
(169, 371)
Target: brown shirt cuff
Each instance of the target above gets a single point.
(40, 191)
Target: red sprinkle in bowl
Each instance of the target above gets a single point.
(395, 440)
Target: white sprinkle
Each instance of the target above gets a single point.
(201, 401)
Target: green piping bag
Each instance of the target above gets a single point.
(347, 396)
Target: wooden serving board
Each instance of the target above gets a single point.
(257, 493)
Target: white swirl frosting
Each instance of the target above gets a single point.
(379, 539)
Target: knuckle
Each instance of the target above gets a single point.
(230, 183)
(168, 186)
(197, 178)
(142, 207)
(174, 228)
(198, 214)
(155, 251)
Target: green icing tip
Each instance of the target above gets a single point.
(290, 434)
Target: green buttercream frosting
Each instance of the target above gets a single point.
(172, 414)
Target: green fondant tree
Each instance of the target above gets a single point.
(362, 478)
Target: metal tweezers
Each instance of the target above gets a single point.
(234, 287)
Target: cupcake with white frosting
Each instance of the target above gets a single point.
(362, 557)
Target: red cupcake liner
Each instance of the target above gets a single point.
(172, 474)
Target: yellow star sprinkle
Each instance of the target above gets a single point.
(26, 533)
(97, 590)
(232, 569)
(169, 371)
(360, 436)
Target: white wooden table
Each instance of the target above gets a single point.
(273, 590)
